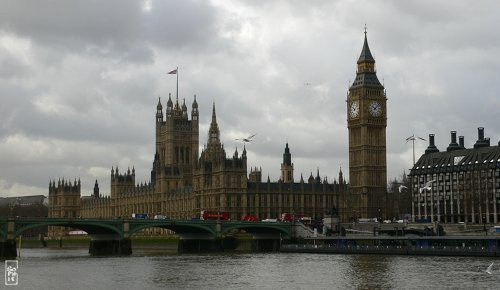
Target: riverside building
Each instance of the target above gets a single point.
(459, 184)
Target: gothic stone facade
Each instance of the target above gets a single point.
(183, 183)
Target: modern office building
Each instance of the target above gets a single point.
(459, 184)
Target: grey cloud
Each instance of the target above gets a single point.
(112, 29)
(103, 68)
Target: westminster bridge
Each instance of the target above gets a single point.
(112, 236)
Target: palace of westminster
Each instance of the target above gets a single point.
(185, 182)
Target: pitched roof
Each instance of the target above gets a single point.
(458, 160)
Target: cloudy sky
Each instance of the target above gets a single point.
(80, 80)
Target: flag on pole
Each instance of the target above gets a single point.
(174, 72)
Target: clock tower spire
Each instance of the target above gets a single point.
(366, 123)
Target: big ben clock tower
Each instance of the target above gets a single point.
(366, 123)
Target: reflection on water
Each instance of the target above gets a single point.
(370, 271)
(75, 269)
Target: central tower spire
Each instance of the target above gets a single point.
(287, 166)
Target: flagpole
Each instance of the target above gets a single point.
(177, 70)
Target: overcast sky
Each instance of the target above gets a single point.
(80, 80)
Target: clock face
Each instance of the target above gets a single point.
(354, 109)
(375, 109)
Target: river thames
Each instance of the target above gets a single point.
(75, 269)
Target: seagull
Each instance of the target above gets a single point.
(248, 139)
(401, 187)
(488, 270)
(428, 186)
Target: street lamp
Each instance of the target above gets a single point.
(412, 138)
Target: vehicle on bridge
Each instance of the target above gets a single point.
(287, 217)
(249, 218)
(214, 215)
(140, 216)
(161, 217)
(306, 220)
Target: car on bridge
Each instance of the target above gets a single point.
(140, 216)
(161, 217)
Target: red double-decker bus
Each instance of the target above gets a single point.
(249, 218)
(214, 215)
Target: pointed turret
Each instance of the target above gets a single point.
(159, 107)
(159, 113)
(213, 132)
(244, 157)
(177, 108)
(287, 157)
(194, 112)
(341, 176)
(311, 178)
(184, 108)
(170, 105)
(96, 189)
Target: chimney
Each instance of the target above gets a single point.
(432, 148)
(461, 142)
(481, 141)
(453, 145)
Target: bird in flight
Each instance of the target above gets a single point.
(490, 267)
(401, 187)
(428, 186)
(247, 139)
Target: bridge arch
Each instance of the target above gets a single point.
(181, 228)
(255, 228)
(91, 227)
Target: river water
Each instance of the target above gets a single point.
(75, 269)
